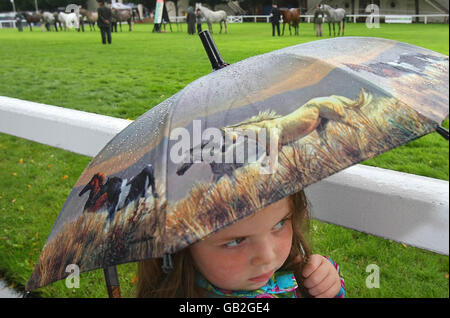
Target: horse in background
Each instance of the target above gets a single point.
(91, 18)
(57, 21)
(213, 16)
(292, 17)
(48, 19)
(334, 16)
(120, 15)
(69, 20)
(31, 18)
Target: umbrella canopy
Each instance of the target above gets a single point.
(160, 185)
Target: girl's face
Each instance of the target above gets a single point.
(245, 255)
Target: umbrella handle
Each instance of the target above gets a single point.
(442, 131)
(112, 282)
(214, 56)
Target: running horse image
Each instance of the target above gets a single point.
(310, 117)
(117, 193)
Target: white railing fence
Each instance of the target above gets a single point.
(398, 206)
(442, 18)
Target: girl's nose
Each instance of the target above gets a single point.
(264, 253)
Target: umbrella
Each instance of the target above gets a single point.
(301, 114)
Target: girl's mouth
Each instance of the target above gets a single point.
(262, 278)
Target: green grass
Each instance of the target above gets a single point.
(138, 71)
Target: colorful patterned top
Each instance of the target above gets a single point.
(282, 285)
(341, 293)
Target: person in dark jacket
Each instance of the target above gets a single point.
(104, 21)
(19, 22)
(199, 18)
(275, 19)
(318, 20)
(191, 20)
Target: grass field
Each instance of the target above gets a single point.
(138, 71)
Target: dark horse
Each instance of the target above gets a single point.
(94, 203)
(218, 160)
(292, 17)
(139, 184)
(31, 18)
(117, 193)
(120, 15)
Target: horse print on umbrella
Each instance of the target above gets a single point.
(117, 193)
(218, 162)
(310, 117)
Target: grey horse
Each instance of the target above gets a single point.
(213, 16)
(334, 16)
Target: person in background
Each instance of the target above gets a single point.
(318, 20)
(190, 19)
(275, 19)
(199, 18)
(19, 22)
(104, 21)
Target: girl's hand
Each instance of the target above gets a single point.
(321, 278)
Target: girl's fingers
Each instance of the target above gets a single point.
(313, 263)
(316, 278)
(327, 285)
(330, 292)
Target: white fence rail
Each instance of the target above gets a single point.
(309, 17)
(402, 207)
(352, 17)
(266, 18)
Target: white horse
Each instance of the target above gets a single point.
(334, 16)
(213, 16)
(48, 19)
(69, 20)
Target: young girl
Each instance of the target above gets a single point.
(263, 255)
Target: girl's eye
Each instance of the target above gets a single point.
(235, 242)
(280, 224)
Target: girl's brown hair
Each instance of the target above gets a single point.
(180, 282)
